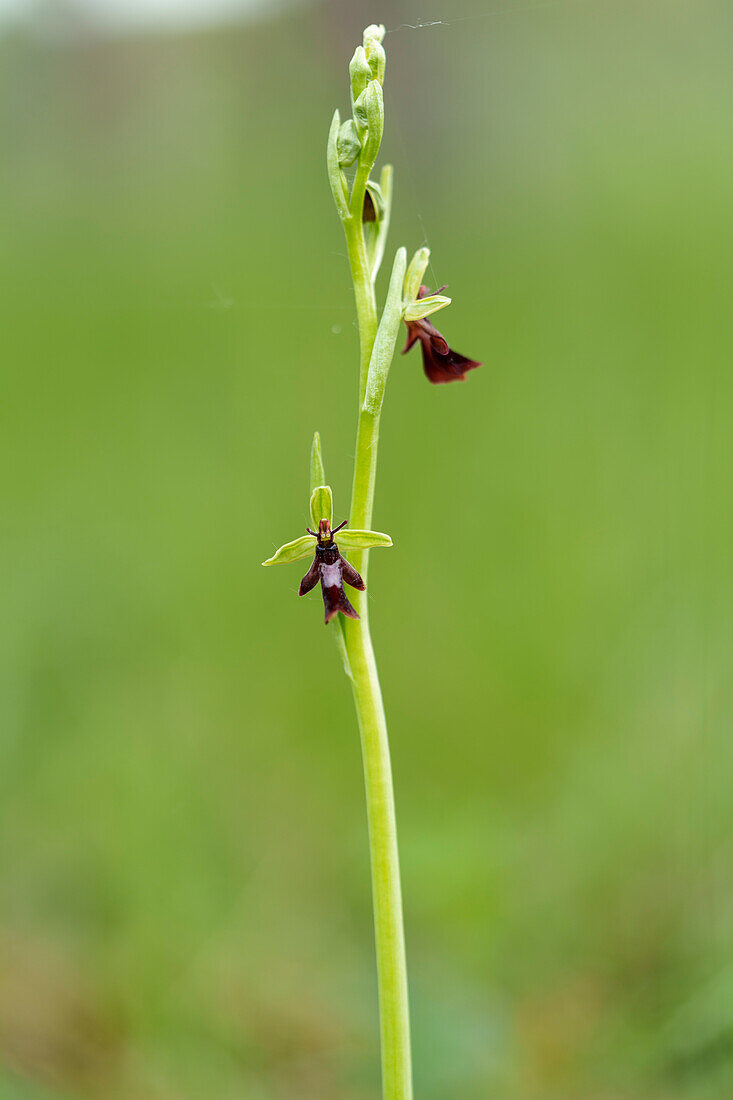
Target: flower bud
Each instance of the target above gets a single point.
(336, 178)
(373, 107)
(375, 32)
(360, 73)
(377, 59)
(360, 111)
(349, 145)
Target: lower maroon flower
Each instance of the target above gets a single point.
(331, 569)
(440, 363)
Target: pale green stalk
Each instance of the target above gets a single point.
(362, 667)
(376, 348)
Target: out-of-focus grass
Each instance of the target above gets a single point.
(185, 893)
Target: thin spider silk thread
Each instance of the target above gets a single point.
(482, 15)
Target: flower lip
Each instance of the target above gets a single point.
(331, 569)
(440, 362)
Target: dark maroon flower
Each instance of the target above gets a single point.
(440, 363)
(331, 569)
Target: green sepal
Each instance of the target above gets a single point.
(318, 474)
(423, 307)
(349, 145)
(361, 540)
(293, 551)
(415, 273)
(321, 505)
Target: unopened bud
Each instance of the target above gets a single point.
(336, 178)
(377, 59)
(360, 111)
(375, 32)
(373, 106)
(349, 145)
(360, 73)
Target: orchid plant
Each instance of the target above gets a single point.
(364, 207)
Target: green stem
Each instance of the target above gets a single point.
(387, 895)
(366, 306)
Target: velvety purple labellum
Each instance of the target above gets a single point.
(331, 569)
(440, 363)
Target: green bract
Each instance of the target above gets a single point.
(318, 474)
(375, 232)
(322, 505)
(386, 338)
(293, 551)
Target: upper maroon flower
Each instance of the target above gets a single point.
(441, 363)
(331, 569)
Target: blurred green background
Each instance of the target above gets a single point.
(184, 888)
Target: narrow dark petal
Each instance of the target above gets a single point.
(334, 600)
(413, 334)
(310, 580)
(351, 576)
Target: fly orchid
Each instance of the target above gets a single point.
(329, 566)
(440, 363)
